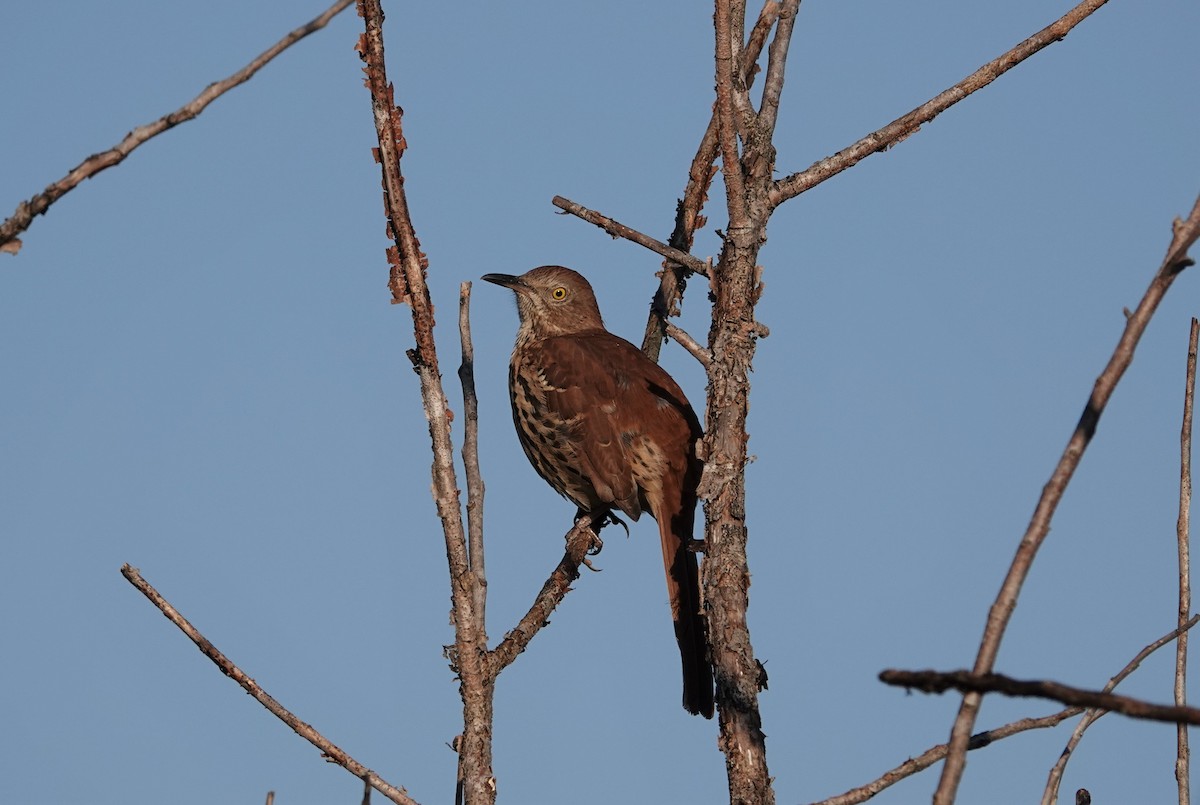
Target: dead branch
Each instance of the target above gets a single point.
(470, 457)
(1184, 235)
(902, 127)
(688, 218)
(981, 739)
(1183, 537)
(408, 286)
(968, 682)
(1050, 793)
(581, 540)
(617, 229)
(329, 750)
(28, 210)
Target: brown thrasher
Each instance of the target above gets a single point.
(608, 428)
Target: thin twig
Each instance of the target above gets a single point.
(619, 230)
(902, 127)
(966, 681)
(1050, 794)
(27, 210)
(329, 750)
(981, 739)
(1185, 234)
(685, 340)
(1183, 535)
(470, 456)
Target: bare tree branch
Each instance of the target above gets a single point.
(685, 340)
(1050, 794)
(1185, 234)
(981, 739)
(469, 653)
(619, 230)
(902, 127)
(27, 210)
(581, 540)
(688, 219)
(1183, 534)
(329, 750)
(966, 681)
(470, 456)
(728, 75)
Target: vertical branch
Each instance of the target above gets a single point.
(1176, 260)
(468, 656)
(735, 289)
(688, 217)
(470, 456)
(1183, 532)
(727, 128)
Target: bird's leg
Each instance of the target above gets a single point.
(697, 545)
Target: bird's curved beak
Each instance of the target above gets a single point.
(507, 280)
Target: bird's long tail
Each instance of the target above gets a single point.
(691, 626)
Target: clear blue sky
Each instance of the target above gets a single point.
(203, 377)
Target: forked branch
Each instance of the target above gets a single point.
(902, 127)
(1184, 234)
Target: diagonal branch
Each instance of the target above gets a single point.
(968, 682)
(1185, 234)
(580, 541)
(979, 740)
(329, 750)
(902, 127)
(27, 210)
(619, 230)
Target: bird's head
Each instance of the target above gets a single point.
(552, 300)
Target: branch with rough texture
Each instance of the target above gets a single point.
(1050, 793)
(581, 540)
(28, 210)
(619, 230)
(735, 289)
(688, 217)
(902, 127)
(329, 750)
(981, 739)
(1185, 233)
(468, 655)
(968, 682)
(1183, 537)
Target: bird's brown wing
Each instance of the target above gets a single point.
(586, 387)
(638, 434)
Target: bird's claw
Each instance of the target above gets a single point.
(612, 518)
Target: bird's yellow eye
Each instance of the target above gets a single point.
(559, 293)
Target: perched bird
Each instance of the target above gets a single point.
(608, 428)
